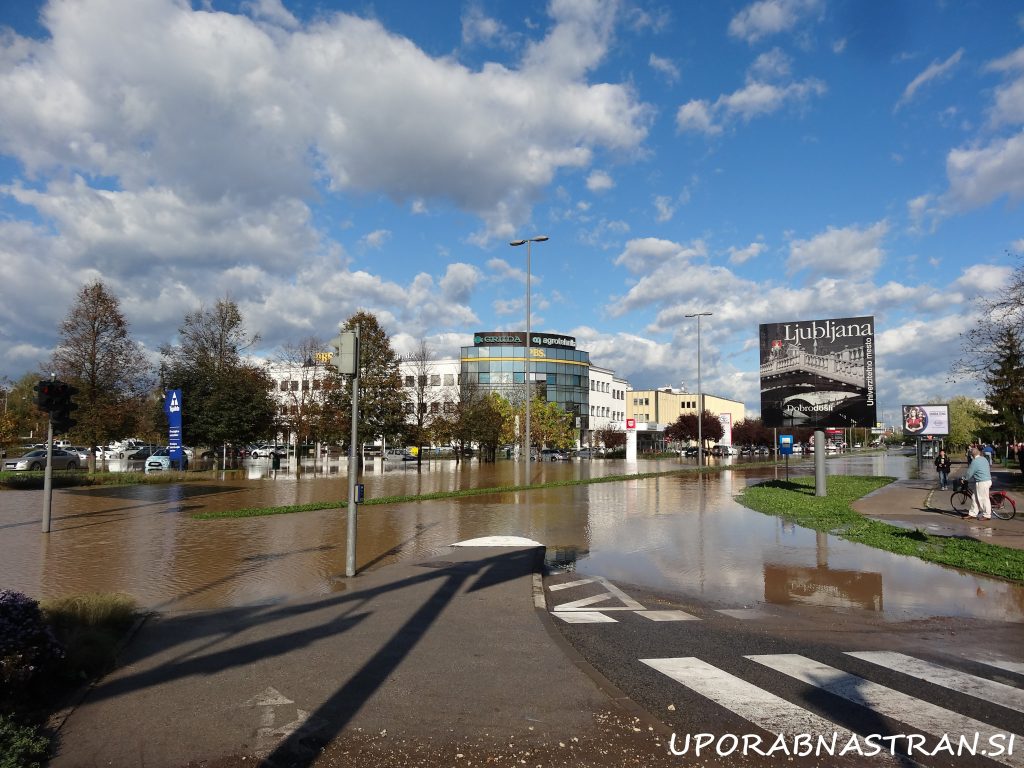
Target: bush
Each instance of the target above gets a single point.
(90, 627)
(28, 647)
(21, 746)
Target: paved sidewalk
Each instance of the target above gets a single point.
(919, 504)
(439, 662)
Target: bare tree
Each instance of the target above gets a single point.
(302, 394)
(97, 355)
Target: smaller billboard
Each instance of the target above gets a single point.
(922, 420)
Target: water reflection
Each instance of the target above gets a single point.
(684, 533)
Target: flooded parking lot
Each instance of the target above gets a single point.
(683, 533)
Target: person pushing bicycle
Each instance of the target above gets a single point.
(980, 475)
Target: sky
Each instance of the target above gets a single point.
(769, 161)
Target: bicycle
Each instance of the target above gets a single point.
(1003, 505)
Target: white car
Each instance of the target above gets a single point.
(160, 461)
(267, 451)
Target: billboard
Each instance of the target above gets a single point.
(921, 420)
(818, 373)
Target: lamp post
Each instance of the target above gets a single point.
(700, 395)
(528, 242)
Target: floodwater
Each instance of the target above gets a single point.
(683, 533)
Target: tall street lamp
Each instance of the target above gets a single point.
(528, 242)
(700, 395)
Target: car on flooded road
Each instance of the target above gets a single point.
(33, 461)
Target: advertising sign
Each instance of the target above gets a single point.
(518, 339)
(922, 420)
(818, 373)
(172, 407)
(725, 419)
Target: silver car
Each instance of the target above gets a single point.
(36, 460)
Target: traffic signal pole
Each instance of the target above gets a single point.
(353, 468)
(48, 477)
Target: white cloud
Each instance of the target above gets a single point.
(376, 239)
(695, 115)
(770, 17)
(742, 255)
(664, 207)
(478, 27)
(213, 105)
(270, 10)
(934, 71)
(644, 254)
(758, 97)
(979, 175)
(599, 181)
(664, 67)
(1018, 245)
(840, 252)
(1008, 108)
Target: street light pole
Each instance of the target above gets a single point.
(700, 395)
(528, 242)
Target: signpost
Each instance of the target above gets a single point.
(786, 449)
(172, 407)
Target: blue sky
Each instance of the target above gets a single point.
(767, 161)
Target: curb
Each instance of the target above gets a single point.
(618, 698)
(56, 721)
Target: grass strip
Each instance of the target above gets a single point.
(29, 481)
(464, 493)
(795, 500)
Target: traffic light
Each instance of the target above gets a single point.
(46, 392)
(60, 413)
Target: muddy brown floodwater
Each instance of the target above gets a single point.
(682, 533)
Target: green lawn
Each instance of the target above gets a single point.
(795, 501)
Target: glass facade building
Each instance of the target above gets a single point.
(560, 373)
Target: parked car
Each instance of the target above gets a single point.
(36, 460)
(160, 461)
(142, 452)
(691, 451)
(268, 451)
(553, 454)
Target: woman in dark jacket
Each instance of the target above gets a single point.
(942, 466)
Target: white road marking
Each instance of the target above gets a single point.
(569, 584)
(584, 617)
(978, 687)
(920, 715)
(765, 710)
(270, 697)
(666, 615)
(628, 603)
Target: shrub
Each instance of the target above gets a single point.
(28, 647)
(90, 627)
(21, 746)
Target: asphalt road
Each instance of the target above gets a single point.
(689, 664)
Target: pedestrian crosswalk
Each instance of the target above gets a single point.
(951, 732)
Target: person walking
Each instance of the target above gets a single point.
(942, 466)
(980, 474)
(988, 450)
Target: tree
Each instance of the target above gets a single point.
(551, 425)
(685, 428)
(966, 420)
(1004, 380)
(752, 432)
(225, 399)
(430, 402)
(983, 343)
(381, 396)
(610, 438)
(304, 401)
(97, 355)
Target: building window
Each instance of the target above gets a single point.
(284, 386)
(435, 380)
(295, 386)
(421, 381)
(410, 381)
(435, 407)
(449, 379)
